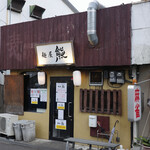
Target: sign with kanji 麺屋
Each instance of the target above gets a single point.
(55, 54)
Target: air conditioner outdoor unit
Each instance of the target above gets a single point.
(6, 123)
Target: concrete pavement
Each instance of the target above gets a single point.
(37, 144)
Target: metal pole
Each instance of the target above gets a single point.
(134, 123)
(143, 81)
(8, 71)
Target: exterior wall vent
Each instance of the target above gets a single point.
(15, 5)
(36, 11)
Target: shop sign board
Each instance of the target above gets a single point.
(60, 53)
(134, 103)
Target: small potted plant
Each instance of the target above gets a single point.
(144, 142)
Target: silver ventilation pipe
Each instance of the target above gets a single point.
(91, 21)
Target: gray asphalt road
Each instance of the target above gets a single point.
(9, 146)
(35, 145)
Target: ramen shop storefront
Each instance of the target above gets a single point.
(42, 56)
(48, 91)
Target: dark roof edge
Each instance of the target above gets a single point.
(70, 6)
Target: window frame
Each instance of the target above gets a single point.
(28, 106)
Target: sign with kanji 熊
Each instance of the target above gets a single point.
(55, 54)
(134, 103)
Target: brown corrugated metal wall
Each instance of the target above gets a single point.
(113, 29)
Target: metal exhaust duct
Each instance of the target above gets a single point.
(91, 21)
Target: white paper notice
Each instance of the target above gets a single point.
(61, 97)
(61, 87)
(34, 93)
(60, 124)
(61, 114)
(61, 106)
(34, 100)
(43, 95)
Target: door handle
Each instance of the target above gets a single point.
(69, 104)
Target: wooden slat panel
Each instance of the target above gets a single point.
(14, 94)
(114, 102)
(96, 101)
(119, 102)
(108, 101)
(81, 99)
(102, 101)
(88, 98)
(85, 100)
(91, 96)
(99, 100)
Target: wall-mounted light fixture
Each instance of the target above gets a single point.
(77, 78)
(41, 78)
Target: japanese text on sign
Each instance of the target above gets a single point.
(61, 114)
(61, 87)
(60, 124)
(38, 94)
(34, 93)
(34, 100)
(60, 105)
(61, 97)
(43, 95)
(136, 101)
(58, 53)
(61, 92)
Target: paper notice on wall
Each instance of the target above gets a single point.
(43, 95)
(34, 93)
(61, 87)
(34, 100)
(61, 114)
(60, 124)
(61, 97)
(61, 106)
